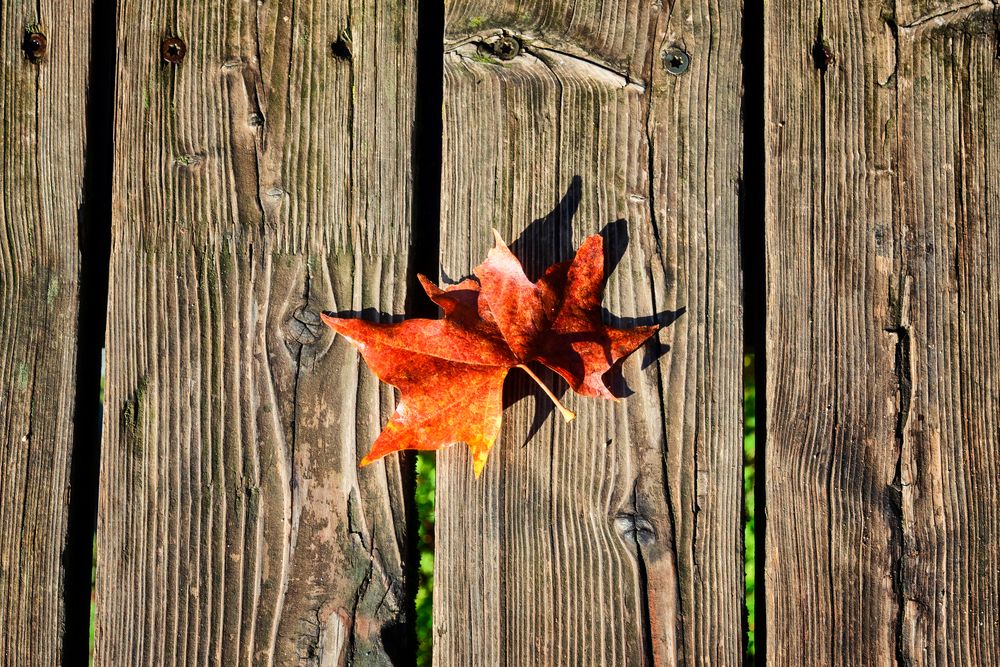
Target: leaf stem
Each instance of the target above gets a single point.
(567, 414)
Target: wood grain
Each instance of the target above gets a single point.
(615, 539)
(881, 351)
(260, 181)
(43, 106)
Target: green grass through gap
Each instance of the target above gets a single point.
(749, 473)
(424, 497)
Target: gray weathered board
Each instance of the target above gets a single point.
(883, 396)
(43, 106)
(263, 179)
(615, 539)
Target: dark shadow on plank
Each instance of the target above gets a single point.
(549, 240)
(94, 229)
(367, 314)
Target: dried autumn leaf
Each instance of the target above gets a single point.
(562, 326)
(450, 372)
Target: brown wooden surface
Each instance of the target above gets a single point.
(260, 181)
(615, 539)
(41, 190)
(882, 353)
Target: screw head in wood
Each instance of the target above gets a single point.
(35, 45)
(173, 50)
(506, 48)
(676, 60)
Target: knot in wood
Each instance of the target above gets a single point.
(822, 55)
(35, 46)
(635, 528)
(304, 326)
(342, 47)
(173, 50)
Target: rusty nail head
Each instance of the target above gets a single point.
(676, 60)
(173, 50)
(35, 45)
(506, 48)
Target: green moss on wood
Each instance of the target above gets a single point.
(133, 414)
(253, 502)
(23, 375)
(483, 58)
(53, 290)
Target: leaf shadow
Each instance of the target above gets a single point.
(664, 318)
(549, 240)
(367, 314)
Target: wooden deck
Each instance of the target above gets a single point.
(185, 186)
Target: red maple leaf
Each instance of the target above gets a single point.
(450, 371)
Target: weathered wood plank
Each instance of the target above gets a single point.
(263, 179)
(830, 419)
(949, 185)
(615, 539)
(882, 356)
(43, 106)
